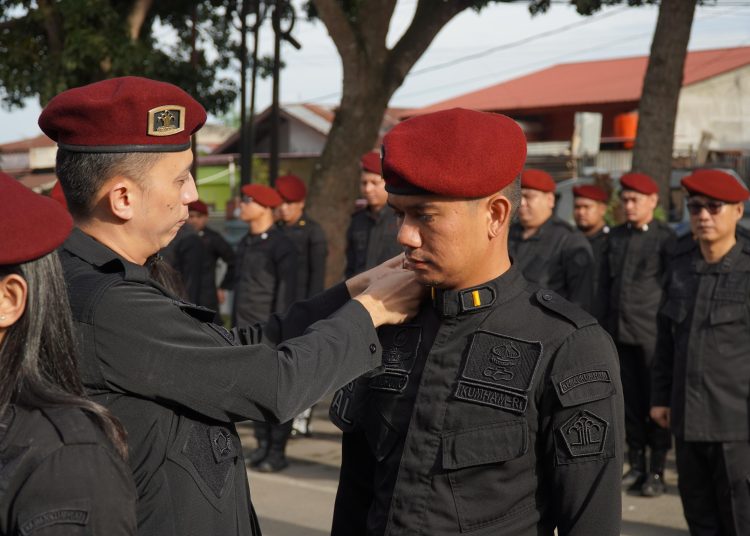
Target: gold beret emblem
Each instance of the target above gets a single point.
(166, 120)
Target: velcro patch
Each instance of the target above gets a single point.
(502, 362)
(391, 381)
(400, 345)
(221, 443)
(493, 397)
(584, 434)
(590, 376)
(62, 516)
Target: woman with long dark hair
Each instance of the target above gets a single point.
(62, 468)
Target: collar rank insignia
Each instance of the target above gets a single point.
(166, 120)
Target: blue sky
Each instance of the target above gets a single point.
(524, 44)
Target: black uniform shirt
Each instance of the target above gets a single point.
(216, 248)
(557, 257)
(702, 365)
(312, 249)
(265, 277)
(631, 279)
(177, 382)
(59, 475)
(371, 240)
(498, 410)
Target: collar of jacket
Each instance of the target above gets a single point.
(725, 265)
(97, 254)
(449, 303)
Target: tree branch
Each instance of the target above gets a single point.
(52, 26)
(338, 26)
(137, 17)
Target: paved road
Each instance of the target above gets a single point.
(299, 501)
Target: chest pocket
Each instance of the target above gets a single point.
(481, 462)
(208, 453)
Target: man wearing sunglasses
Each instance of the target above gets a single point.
(630, 283)
(701, 375)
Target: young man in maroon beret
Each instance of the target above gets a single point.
(701, 374)
(630, 291)
(177, 381)
(371, 236)
(589, 210)
(549, 251)
(498, 409)
(312, 249)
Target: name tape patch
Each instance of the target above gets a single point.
(590, 376)
(69, 516)
(491, 396)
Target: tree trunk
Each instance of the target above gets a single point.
(657, 111)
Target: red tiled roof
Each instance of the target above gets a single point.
(591, 82)
(29, 143)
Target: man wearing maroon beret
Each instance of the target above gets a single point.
(371, 236)
(701, 375)
(177, 381)
(498, 408)
(312, 249)
(549, 251)
(589, 209)
(630, 281)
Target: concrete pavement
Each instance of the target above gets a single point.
(299, 500)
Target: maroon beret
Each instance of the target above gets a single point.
(32, 225)
(198, 206)
(123, 115)
(370, 162)
(715, 184)
(589, 191)
(454, 153)
(58, 195)
(536, 179)
(291, 188)
(639, 182)
(263, 195)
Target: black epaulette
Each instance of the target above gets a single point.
(73, 425)
(571, 312)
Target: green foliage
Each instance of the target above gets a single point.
(586, 7)
(47, 47)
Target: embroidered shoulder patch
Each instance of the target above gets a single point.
(69, 516)
(400, 345)
(590, 376)
(389, 380)
(584, 434)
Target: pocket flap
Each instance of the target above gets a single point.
(726, 314)
(492, 443)
(575, 387)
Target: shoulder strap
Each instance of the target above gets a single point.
(554, 302)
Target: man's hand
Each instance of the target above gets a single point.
(661, 415)
(360, 282)
(393, 298)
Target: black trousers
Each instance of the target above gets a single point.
(715, 486)
(640, 430)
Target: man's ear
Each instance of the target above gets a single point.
(121, 195)
(499, 212)
(13, 292)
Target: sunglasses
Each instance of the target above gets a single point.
(712, 207)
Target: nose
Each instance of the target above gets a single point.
(190, 191)
(408, 235)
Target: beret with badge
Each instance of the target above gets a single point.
(32, 225)
(291, 188)
(453, 153)
(590, 191)
(715, 184)
(198, 206)
(537, 179)
(639, 182)
(123, 115)
(263, 195)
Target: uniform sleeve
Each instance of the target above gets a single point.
(150, 346)
(225, 252)
(578, 263)
(350, 254)
(585, 435)
(317, 258)
(191, 256)
(77, 490)
(354, 495)
(286, 277)
(663, 365)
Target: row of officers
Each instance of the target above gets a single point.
(473, 396)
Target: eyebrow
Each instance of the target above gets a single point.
(417, 206)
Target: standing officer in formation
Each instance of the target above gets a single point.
(312, 250)
(62, 468)
(701, 375)
(265, 283)
(215, 248)
(176, 380)
(548, 251)
(589, 209)
(371, 237)
(498, 409)
(630, 283)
